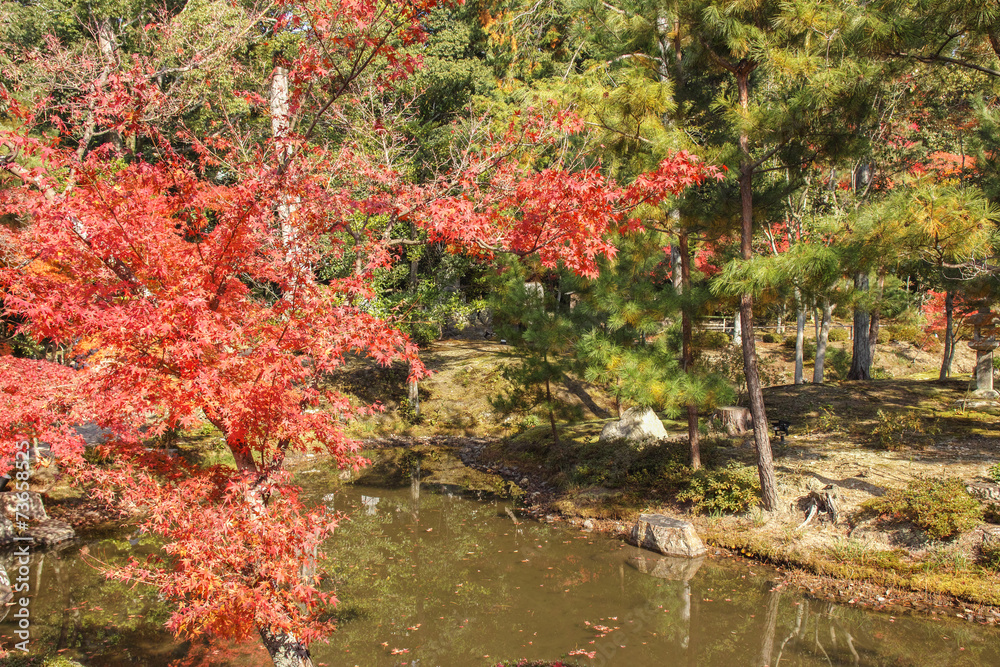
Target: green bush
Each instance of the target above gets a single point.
(769, 338)
(733, 489)
(906, 333)
(711, 340)
(893, 430)
(837, 335)
(994, 472)
(941, 507)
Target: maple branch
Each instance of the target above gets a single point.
(360, 64)
(115, 265)
(9, 163)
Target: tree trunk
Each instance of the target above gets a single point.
(861, 360)
(821, 342)
(415, 261)
(800, 335)
(949, 335)
(765, 462)
(735, 419)
(285, 649)
(874, 319)
(677, 264)
(552, 413)
(687, 353)
(737, 329)
(413, 396)
(770, 626)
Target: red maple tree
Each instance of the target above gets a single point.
(194, 298)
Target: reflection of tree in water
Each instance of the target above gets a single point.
(417, 549)
(75, 610)
(814, 632)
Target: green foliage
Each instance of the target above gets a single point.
(654, 468)
(993, 472)
(733, 489)
(943, 508)
(729, 364)
(543, 341)
(837, 335)
(769, 338)
(901, 332)
(711, 340)
(828, 421)
(894, 430)
(837, 363)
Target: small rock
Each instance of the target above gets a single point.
(588, 524)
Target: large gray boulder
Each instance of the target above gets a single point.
(670, 537)
(637, 425)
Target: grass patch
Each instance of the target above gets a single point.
(857, 561)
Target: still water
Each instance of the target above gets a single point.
(429, 576)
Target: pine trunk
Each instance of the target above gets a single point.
(949, 335)
(861, 361)
(800, 336)
(552, 413)
(687, 353)
(755, 394)
(285, 649)
(822, 341)
(874, 320)
(770, 627)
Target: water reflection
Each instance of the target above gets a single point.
(427, 577)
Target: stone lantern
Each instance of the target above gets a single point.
(984, 346)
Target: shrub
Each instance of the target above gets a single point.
(837, 335)
(941, 507)
(769, 338)
(733, 489)
(712, 340)
(994, 472)
(907, 333)
(893, 428)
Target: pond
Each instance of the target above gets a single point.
(429, 576)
